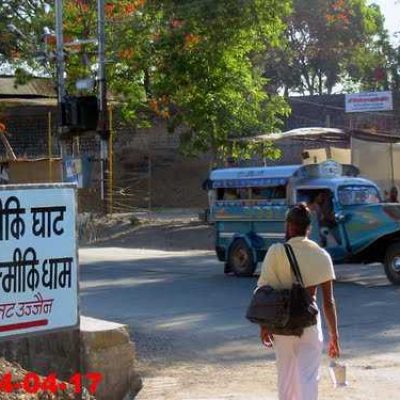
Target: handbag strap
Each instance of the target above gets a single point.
(294, 265)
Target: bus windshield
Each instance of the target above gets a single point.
(358, 195)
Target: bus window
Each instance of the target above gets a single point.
(220, 194)
(244, 193)
(269, 193)
(231, 194)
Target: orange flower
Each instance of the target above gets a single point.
(130, 9)
(165, 114)
(329, 18)
(84, 8)
(153, 104)
(110, 9)
(191, 40)
(139, 3)
(343, 18)
(51, 39)
(126, 54)
(15, 54)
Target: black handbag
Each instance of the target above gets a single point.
(285, 311)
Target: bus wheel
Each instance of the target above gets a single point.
(227, 268)
(392, 263)
(241, 259)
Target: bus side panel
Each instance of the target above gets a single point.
(262, 225)
(271, 228)
(225, 231)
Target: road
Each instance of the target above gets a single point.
(193, 342)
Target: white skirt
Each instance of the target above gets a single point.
(298, 361)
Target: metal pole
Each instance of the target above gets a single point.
(150, 188)
(60, 56)
(110, 161)
(60, 74)
(49, 144)
(392, 164)
(103, 124)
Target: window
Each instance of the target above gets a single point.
(229, 194)
(252, 195)
(358, 195)
(268, 193)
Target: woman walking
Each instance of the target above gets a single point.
(298, 357)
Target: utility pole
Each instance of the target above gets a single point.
(60, 63)
(103, 128)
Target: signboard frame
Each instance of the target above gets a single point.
(366, 102)
(76, 325)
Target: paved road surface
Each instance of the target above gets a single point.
(187, 320)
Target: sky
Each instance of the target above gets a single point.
(391, 11)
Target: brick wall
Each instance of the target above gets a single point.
(27, 125)
(148, 169)
(329, 110)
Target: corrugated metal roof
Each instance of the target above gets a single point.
(284, 171)
(36, 87)
(32, 101)
(311, 133)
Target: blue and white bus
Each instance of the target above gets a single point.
(248, 207)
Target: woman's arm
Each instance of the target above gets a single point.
(331, 318)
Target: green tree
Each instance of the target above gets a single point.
(190, 62)
(21, 36)
(379, 67)
(323, 40)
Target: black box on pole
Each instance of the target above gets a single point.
(80, 114)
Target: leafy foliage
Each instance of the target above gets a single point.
(379, 68)
(190, 62)
(326, 40)
(21, 34)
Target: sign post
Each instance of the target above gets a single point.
(38, 259)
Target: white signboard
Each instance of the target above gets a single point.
(371, 101)
(330, 168)
(38, 259)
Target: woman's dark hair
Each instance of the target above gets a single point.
(300, 218)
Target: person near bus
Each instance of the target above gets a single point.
(298, 358)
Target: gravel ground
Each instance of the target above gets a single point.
(18, 375)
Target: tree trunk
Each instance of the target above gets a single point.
(286, 92)
(146, 83)
(320, 89)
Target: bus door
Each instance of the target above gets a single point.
(324, 229)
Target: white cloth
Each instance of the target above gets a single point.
(314, 262)
(298, 360)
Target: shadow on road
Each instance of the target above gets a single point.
(172, 236)
(181, 307)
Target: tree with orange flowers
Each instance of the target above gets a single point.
(191, 63)
(328, 42)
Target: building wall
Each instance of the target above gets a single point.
(329, 111)
(149, 171)
(27, 124)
